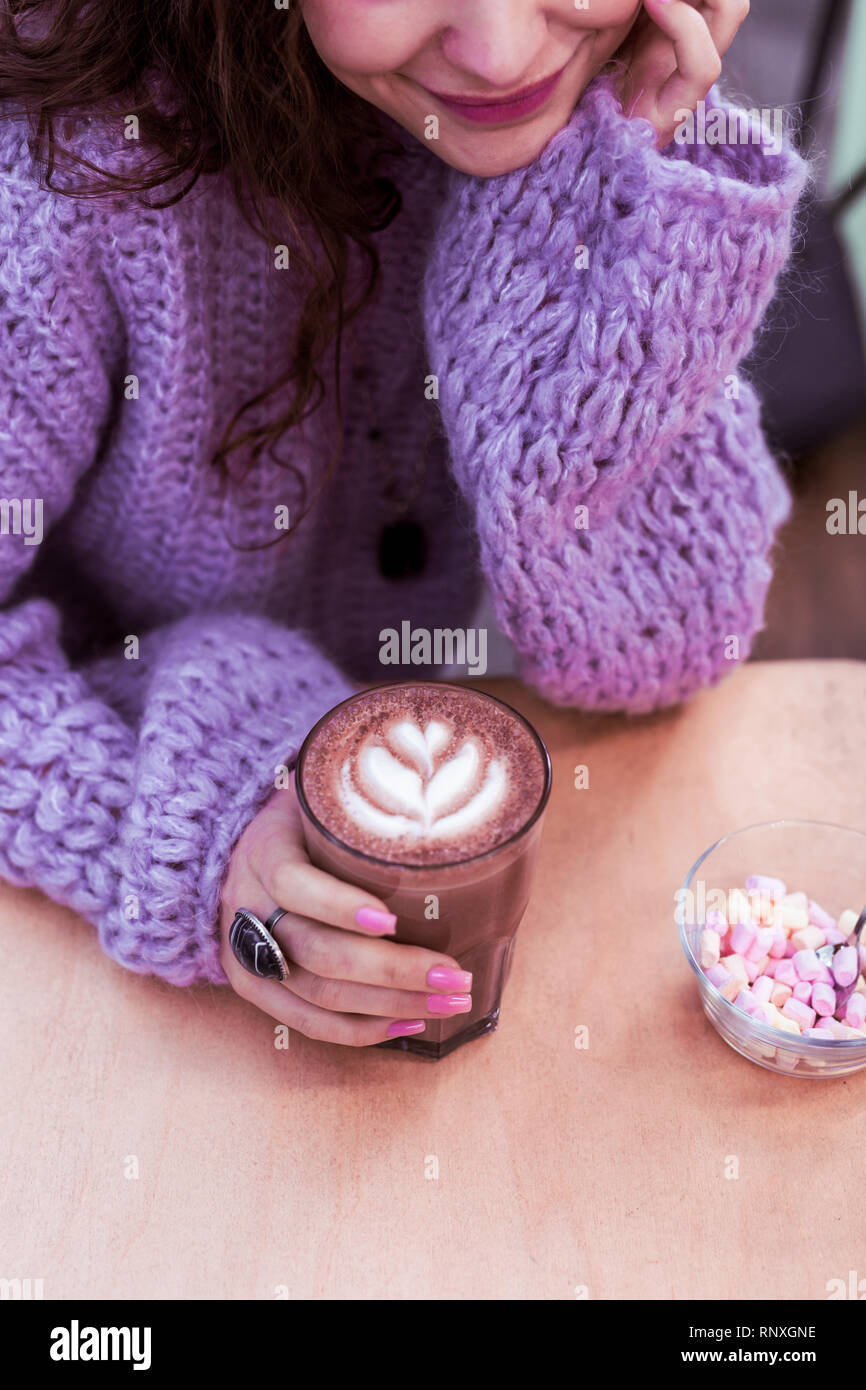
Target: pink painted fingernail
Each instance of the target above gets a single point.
(449, 1003)
(402, 1030)
(372, 919)
(444, 977)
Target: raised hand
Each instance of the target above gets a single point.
(674, 55)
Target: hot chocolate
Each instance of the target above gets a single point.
(431, 796)
(423, 774)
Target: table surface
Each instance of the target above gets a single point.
(157, 1144)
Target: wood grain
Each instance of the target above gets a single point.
(559, 1169)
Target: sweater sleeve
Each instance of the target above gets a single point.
(586, 317)
(130, 820)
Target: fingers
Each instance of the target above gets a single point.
(279, 860)
(346, 984)
(723, 19)
(698, 64)
(338, 955)
(324, 1025)
(339, 996)
(674, 66)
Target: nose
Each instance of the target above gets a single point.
(497, 42)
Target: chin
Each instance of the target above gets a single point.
(492, 153)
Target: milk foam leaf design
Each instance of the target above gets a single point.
(393, 800)
(449, 786)
(422, 748)
(365, 814)
(482, 805)
(389, 783)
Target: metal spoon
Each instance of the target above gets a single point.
(827, 953)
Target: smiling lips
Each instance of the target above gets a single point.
(495, 112)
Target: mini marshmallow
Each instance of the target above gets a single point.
(779, 1019)
(819, 918)
(781, 994)
(770, 887)
(735, 965)
(754, 968)
(780, 942)
(838, 1030)
(762, 989)
(823, 1000)
(794, 917)
(742, 937)
(710, 950)
(808, 966)
(801, 1013)
(809, 938)
(731, 988)
(834, 936)
(717, 974)
(738, 908)
(803, 991)
(764, 938)
(796, 900)
(855, 1011)
(746, 1001)
(766, 907)
(786, 974)
(717, 921)
(847, 922)
(845, 965)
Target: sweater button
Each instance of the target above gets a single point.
(402, 550)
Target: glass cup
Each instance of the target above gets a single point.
(828, 863)
(469, 909)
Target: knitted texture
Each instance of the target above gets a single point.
(586, 317)
(129, 336)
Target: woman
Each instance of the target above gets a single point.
(229, 446)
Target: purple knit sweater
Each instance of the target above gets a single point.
(603, 378)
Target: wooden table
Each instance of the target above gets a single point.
(521, 1166)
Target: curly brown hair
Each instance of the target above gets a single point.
(254, 100)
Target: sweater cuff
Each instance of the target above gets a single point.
(229, 703)
(734, 153)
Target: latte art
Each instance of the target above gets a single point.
(426, 774)
(415, 782)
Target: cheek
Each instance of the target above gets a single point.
(604, 16)
(365, 36)
(609, 14)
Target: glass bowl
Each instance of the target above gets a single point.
(828, 863)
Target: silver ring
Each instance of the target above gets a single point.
(277, 914)
(255, 948)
